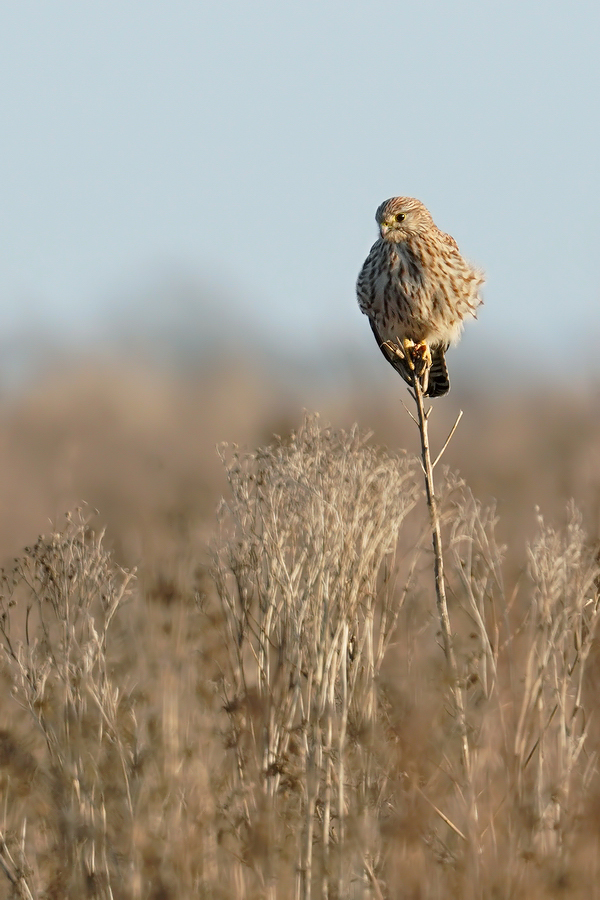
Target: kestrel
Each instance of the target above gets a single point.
(416, 289)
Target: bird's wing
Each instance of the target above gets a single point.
(393, 359)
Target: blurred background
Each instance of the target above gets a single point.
(188, 192)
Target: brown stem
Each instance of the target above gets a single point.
(440, 586)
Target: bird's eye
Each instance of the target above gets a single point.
(400, 217)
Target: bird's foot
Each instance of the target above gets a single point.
(415, 359)
(420, 363)
(403, 349)
(421, 357)
(408, 349)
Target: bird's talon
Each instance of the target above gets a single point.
(421, 358)
(409, 349)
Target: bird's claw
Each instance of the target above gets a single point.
(421, 358)
(415, 359)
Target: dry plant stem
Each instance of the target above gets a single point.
(341, 770)
(440, 587)
(306, 581)
(14, 872)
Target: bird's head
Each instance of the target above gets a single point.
(400, 217)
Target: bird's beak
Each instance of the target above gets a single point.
(384, 227)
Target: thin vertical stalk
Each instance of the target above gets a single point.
(341, 769)
(440, 586)
(328, 784)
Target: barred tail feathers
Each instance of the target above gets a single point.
(439, 380)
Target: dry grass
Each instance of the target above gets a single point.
(305, 575)
(286, 728)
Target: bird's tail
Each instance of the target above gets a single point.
(438, 382)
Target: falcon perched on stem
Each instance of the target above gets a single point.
(416, 289)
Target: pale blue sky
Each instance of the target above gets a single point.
(246, 146)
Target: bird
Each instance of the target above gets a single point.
(416, 289)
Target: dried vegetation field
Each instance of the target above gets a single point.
(247, 697)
